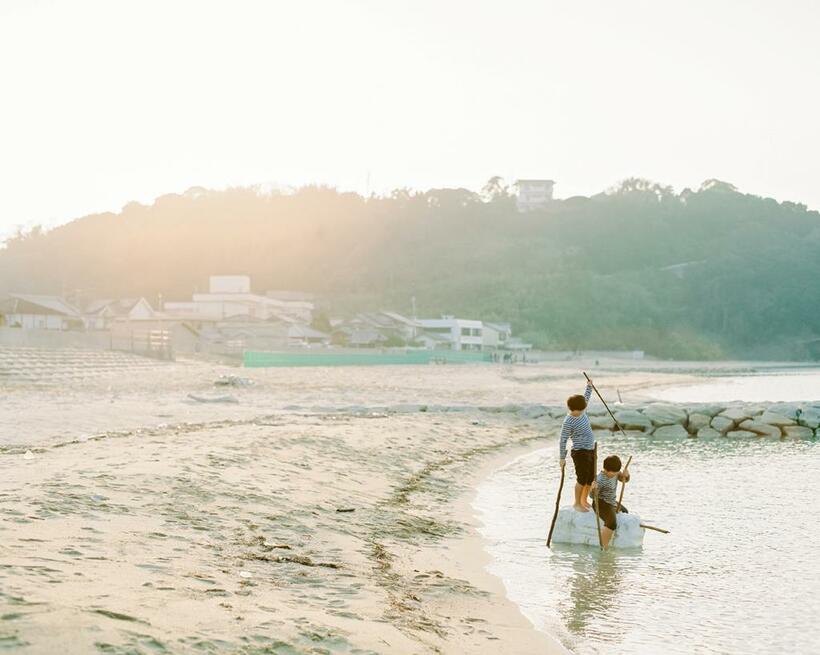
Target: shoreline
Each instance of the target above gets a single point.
(472, 553)
(249, 505)
(567, 592)
(783, 424)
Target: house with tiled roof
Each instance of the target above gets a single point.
(99, 314)
(34, 311)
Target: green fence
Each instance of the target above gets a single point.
(268, 359)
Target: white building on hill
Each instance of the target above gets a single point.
(533, 194)
(231, 295)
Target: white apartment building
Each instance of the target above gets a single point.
(533, 194)
(462, 334)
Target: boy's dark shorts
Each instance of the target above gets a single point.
(607, 513)
(584, 461)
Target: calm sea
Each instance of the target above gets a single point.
(739, 573)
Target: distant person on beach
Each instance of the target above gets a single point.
(576, 427)
(606, 484)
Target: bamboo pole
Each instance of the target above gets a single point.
(557, 504)
(623, 488)
(604, 402)
(597, 512)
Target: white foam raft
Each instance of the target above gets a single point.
(573, 527)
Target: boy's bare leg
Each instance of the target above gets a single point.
(578, 506)
(585, 497)
(606, 535)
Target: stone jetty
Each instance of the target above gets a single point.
(706, 421)
(736, 420)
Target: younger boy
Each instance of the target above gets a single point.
(576, 427)
(606, 483)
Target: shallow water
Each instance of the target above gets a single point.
(787, 387)
(738, 573)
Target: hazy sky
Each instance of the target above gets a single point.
(109, 101)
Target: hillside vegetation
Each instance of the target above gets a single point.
(700, 274)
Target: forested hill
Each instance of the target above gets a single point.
(707, 273)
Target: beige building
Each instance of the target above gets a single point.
(231, 295)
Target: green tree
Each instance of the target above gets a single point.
(321, 322)
(705, 273)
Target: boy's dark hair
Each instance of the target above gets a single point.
(576, 403)
(612, 463)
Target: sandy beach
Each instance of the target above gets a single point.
(315, 510)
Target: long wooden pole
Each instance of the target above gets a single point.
(649, 527)
(623, 488)
(557, 505)
(604, 402)
(597, 512)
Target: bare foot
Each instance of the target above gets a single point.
(580, 508)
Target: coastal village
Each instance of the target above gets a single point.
(303, 352)
(231, 318)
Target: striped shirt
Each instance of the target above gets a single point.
(606, 488)
(578, 429)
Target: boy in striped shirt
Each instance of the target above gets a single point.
(576, 427)
(607, 484)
